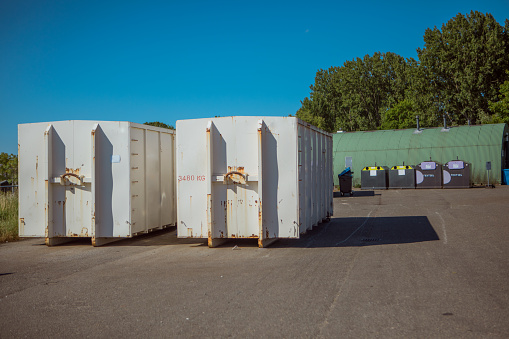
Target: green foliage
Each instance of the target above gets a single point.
(9, 167)
(8, 216)
(458, 73)
(401, 115)
(353, 97)
(500, 108)
(159, 124)
(463, 65)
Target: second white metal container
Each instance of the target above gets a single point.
(252, 177)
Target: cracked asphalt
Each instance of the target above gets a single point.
(397, 263)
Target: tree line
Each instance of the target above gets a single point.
(462, 72)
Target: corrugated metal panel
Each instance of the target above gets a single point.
(473, 144)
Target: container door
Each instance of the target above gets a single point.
(234, 164)
(234, 193)
(68, 174)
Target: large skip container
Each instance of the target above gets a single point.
(252, 177)
(99, 179)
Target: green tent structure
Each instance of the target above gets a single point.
(476, 145)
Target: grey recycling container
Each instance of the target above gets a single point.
(428, 174)
(375, 178)
(456, 174)
(402, 177)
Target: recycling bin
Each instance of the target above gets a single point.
(401, 177)
(345, 182)
(375, 177)
(456, 174)
(428, 174)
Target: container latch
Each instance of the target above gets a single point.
(236, 177)
(74, 180)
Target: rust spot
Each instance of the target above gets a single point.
(22, 220)
(233, 235)
(240, 169)
(266, 233)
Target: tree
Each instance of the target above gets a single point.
(159, 124)
(401, 115)
(500, 108)
(462, 64)
(9, 167)
(356, 95)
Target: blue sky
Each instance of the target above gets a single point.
(166, 60)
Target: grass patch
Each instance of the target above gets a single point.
(8, 216)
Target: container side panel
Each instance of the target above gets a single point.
(153, 180)
(168, 212)
(281, 152)
(191, 181)
(79, 161)
(61, 159)
(301, 177)
(307, 178)
(31, 181)
(240, 137)
(221, 195)
(138, 181)
(314, 176)
(113, 197)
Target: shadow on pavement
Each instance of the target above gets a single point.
(358, 193)
(354, 232)
(338, 232)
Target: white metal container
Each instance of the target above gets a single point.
(252, 177)
(100, 179)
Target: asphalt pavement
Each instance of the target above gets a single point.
(396, 263)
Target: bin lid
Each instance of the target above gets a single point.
(345, 172)
(456, 164)
(401, 167)
(373, 168)
(428, 165)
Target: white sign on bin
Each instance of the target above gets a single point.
(252, 177)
